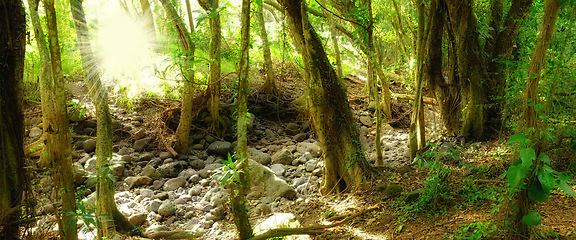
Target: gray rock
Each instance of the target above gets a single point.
(127, 158)
(90, 165)
(167, 208)
(164, 155)
(139, 134)
(146, 156)
(195, 178)
(195, 191)
(140, 144)
(157, 184)
(283, 157)
(213, 166)
(220, 148)
(171, 170)
(197, 164)
(278, 169)
(259, 156)
(366, 120)
(187, 173)
(174, 184)
(79, 173)
(35, 132)
(89, 145)
(292, 129)
(313, 148)
(150, 172)
(203, 173)
(154, 229)
(125, 151)
(269, 133)
(264, 180)
(138, 219)
(210, 138)
(137, 181)
(311, 165)
(147, 193)
(198, 146)
(299, 137)
(154, 205)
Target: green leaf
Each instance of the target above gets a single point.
(544, 158)
(527, 155)
(547, 180)
(517, 138)
(548, 169)
(533, 218)
(537, 193)
(516, 174)
(567, 189)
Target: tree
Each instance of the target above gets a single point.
(187, 47)
(417, 125)
(345, 164)
(238, 197)
(213, 90)
(55, 118)
(270, 83)
(112, 220)
(12, 173)
(149, 20)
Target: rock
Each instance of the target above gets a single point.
(394, 190)
(366, 120)
(171, 170)
(283, 157)
(146, 157)
(213, 166)
(263, 179)
(413, 196)
(278, 169)
(406, 153)
(155, 229)
(174, 184)
(138, 219)
(90, 165)
(137, 181)
(269, 133)
(209, 139)
(203, 173)
(147, 193)
(140, 144)
(89, 145)
(299, 137)
(79, 173)
(259, 156)
(118, 169)
(194, 178)
(220, 148)
(198, 146)
(127, 158)
(139, 134)
(164, 155)
(292, 129)
(197, 164)
(187, 173)
(48, 208)
(404, 169)
(161, 196)
(167, 208)
(150, 172)
(313, 148)
(216, 214)
(311, 165)
(195, 191)
(278, 220)
(154, 205)
(35, 132)
(124, 151)
(157, 184)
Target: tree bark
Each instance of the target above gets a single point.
(417, 125)
(238, 198)
(188, 48)
(344, 163)
(213, 90)
(12, 174)
(270, 82)
(58, 134)
(105, 203)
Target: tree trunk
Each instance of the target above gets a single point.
(238, 198)
(149, 20)
(58, 133)
(417, 125)
(335, 44)
(344, 163)
(12, 173)
(270, 83)
(471, 69)
(213, 90)
(187, 46)
(105, 204)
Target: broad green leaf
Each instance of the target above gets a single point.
(544, 158)
(533, 218)
(517, 138)
(537, 193)
(516, 174)
(567, 189)
(546, 179)
(548, 169)
(527, 155)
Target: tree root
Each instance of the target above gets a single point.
(179, 234)
(281, 232)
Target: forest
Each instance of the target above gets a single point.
(287, 119)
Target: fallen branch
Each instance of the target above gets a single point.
(281, 232)
(180, 234)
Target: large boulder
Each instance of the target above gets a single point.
(220, 148)
(263, 179)
(141, 144)
(171, 170)
(167, 208)
(174, 184)
(259, 156)
(313, 148)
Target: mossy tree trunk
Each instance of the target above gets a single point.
(105, 204)
(417, 125)
(12, 173)
(56, 130)
(270, 82)
(345, 165)
(188, 47)
(213, 90)
(238, 196)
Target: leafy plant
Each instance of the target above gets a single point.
(539, 176)
(477, 230)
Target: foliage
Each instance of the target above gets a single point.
(475, 231)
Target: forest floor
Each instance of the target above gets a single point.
(462, 195)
